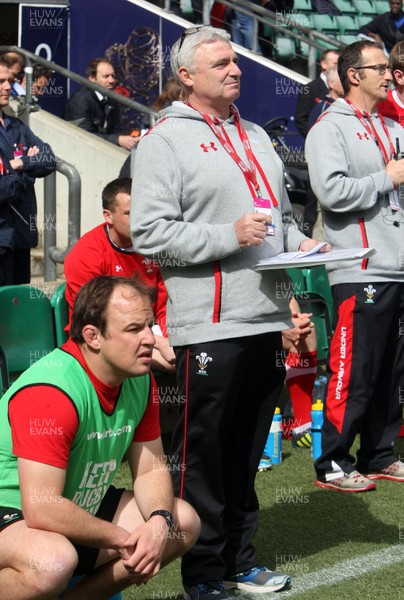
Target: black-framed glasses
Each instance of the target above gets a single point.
(381, 69)
(190, 31)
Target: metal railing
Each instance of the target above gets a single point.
(52, 253)
(31, 58)
(280, 24)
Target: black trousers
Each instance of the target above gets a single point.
(366, 363)
(230, 389)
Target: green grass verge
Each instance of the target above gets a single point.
(304, 529)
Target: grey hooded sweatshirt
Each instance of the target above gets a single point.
(187, 194)
(347, 174)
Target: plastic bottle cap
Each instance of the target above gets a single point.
(318, 405)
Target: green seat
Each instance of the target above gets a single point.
(60, 313)
(365, 7)
(298, 282)
(381, 6)
(347, 39)
(316, 280)
(325, 24)
(310, 302)
(303, 6)
(363, 20)
(347, 24)
(285, 47)
(4, 380)
(26, 327)
(345, 6)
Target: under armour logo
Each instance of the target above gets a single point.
(211, 147)
(362, 135)
(118, 268)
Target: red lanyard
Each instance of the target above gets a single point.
(250, 173)
(373, 133)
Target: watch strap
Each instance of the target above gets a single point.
(165, 514)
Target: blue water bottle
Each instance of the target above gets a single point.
(317, 415)
(273, 447)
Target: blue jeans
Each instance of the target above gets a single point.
(242, 30)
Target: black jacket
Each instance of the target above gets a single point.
(17, 193)
(385, 26)
(310, 94)
(94, 115)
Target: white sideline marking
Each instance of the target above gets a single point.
(348, 569)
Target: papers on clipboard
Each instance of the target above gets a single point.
(288, 260)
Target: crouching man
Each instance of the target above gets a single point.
(65, 427)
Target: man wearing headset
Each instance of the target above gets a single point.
(356, 172)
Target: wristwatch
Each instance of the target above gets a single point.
(163, 513)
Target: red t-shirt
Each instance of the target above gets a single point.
(96, 254)
(53, 408)
(392, 108)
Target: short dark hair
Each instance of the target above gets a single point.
(326, 52)
(10, 58)
(351, 56)
(112, 189)
(91, 303)
(91, 69)
(41, 71)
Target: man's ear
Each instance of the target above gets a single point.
(107, 216)
(399, 76)
(186, 76)
(91, 336)
(353, 76)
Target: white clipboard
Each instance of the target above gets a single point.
(289, 260)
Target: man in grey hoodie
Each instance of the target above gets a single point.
(208, 202)
(356, 170)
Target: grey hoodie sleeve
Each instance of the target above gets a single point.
(158, 227)
(340, 178)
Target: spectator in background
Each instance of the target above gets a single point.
(314, 91)
(170, 92)
(386, 29)
(335, 91)
(310, 94)
(242, 27)
(23, 157)
(107, 250)
(15, 63)
(97, 113)
(393, 107)
(40, 79)
(325, 7)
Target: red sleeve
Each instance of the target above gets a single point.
(149, 427)
(161, 302)
(44, 422)
(84, 262)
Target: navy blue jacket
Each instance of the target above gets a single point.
(18, 227)
(91, 114)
